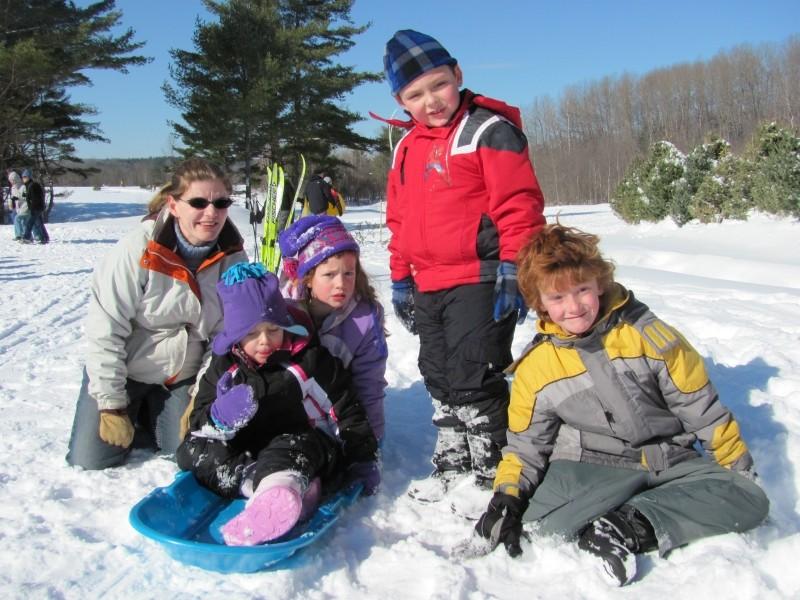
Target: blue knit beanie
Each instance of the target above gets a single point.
(409, 54)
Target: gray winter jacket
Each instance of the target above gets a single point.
(631, 393)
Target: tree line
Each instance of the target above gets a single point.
(583, 142)
(140, 172)
(261, 84)
(46, 48)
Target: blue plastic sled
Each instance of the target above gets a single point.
(185, 518)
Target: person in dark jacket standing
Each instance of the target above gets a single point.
(34, 195)
(462, 199)
(318, 194)
(274, 417)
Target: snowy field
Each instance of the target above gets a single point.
(733, 289)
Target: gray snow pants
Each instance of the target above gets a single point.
(691, 500)
(154, 410)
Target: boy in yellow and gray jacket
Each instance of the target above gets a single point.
(606, 406)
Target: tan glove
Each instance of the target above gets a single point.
(116, 428)
(184, 423)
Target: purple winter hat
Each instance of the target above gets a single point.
(250, 295)
(313, 239)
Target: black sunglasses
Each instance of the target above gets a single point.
(202, 203)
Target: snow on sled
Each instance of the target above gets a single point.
(185, 518)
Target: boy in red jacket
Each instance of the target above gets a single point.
(462, 199)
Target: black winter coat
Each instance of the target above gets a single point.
(35, 195)
(319, 195)
(280, 408)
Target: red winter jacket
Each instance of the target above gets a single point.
(462, 197)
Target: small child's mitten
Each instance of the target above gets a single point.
(235, 404)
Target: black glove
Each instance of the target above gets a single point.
(403, 302)
(502, 522)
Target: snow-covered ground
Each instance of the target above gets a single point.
(733, 289)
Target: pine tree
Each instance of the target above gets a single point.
(775, 155)
(646, 192)
(700, 163)
(628, 201)
(316, 121)
(723, 193)
(228, 89)
(262, 83)
(47, 47)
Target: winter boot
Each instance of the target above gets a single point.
(434, 487)
(616, 538)
(469, 496)
(311, 499)
(452, 448)
(275, 507)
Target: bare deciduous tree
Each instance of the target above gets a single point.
(583, 141)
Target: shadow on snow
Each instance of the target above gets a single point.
(72, 212)
(762, 432)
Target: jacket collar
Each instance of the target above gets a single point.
(338, 316)
(468, 99)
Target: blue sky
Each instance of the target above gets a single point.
(514, 50)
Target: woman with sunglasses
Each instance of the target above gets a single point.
(152, 311)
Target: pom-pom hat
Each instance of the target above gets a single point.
(409, 54)
(312, 240)
(250, 295)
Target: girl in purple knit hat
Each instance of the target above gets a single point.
(322, 269)
(274, 418)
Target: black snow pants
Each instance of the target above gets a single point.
(222, 466)
(462, 355)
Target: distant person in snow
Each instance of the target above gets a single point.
(318, 194)
(20, 208)
(33, 195)
(274, 419)
(153, 309)
(607, 405)
(462, 199)
(337, 210)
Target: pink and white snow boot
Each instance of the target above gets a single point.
(275, 507)
(311, 499)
